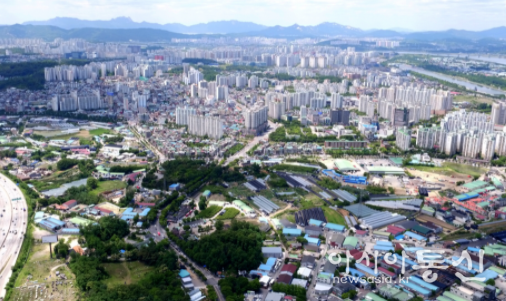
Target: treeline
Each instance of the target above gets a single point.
(238, 248)
(294, 168)
(86, 167)
(162, 283)
(126, 168)
(234, 288)
(195, 173)
(477, 78)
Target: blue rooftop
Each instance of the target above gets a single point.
(414, 235)
(356, 273)
(415, 287)
(471, 249)
(365, 269)
(312, 240)
(293, 232)
(183, 273)
(144, 212)
(315, 222)
(423, 284)
(487, 274)
(335, 227)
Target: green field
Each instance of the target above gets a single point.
(230, 213)
(471, 98)
(334, 216)
(108, 185)
(98, 132)
(128, 272)
(209, 212)
(450, 169)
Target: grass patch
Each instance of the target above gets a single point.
(334, 216)
(129, 272)
(293, 168)
(459, 234)
(452, 169)
(471, 98)
(230, 213)
(108, 185)
(84, 141)
(98, 132)
(289, 215)
(209, 212)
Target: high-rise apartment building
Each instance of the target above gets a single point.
(205, 125)
(403, 138)
(183, 114)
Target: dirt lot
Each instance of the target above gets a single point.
(426, 218)
(433, 177)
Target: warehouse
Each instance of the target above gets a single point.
(360, 210)
(313, 231)
(264, 204)
(345, 165)
(381, 219)
(335, 227)
(367, 270)
(51, 224)
(418, 281)
(415, 288)
(344, 195)
(414, 236)
(292, 232)
(244, 208)
(350, 243)
(275, 252)
(385, 170)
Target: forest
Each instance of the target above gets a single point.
(160, 284)
(195, 173)
(238, 248)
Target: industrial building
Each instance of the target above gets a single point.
(264, 204)
(381, 219)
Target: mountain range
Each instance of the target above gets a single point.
(215, 27)
(125, 29)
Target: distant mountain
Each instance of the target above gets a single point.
(50, 33)
(216, 27)
(299, 31)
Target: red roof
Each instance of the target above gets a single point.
(361, 232)
(381, 269)
(394, 230)
(289, 268)
(285, 278)
(103, 210)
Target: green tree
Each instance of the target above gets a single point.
(91, 183)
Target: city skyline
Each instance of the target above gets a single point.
(384, 14)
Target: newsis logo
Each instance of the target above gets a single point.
(427, 259)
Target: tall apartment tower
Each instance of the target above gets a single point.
(403, 138)
(498, 115)
(183, 114)
(336, 101)
(205, 125)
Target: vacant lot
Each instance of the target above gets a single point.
(125, 272)
(108, 186)
(209, 212)
(453, 169)
(426, 218)
(471, 98)
(98, 132)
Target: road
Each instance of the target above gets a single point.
(13, 227)
(161, 157)
(211, 279)
(265, 136)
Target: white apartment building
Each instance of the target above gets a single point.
(205, 125)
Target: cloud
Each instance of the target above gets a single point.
(412, 14)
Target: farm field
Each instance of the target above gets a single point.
(126, 272)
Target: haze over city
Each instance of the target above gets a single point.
(364, 14)
(303, 150)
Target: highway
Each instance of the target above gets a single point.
(13, 224)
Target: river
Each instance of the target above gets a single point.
(492, 59)
(468, 85)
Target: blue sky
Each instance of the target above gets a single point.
(365, 14)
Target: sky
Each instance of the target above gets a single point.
(414, 15)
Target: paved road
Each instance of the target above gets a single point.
(13, 227)
(211, 279)
(265, 136)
